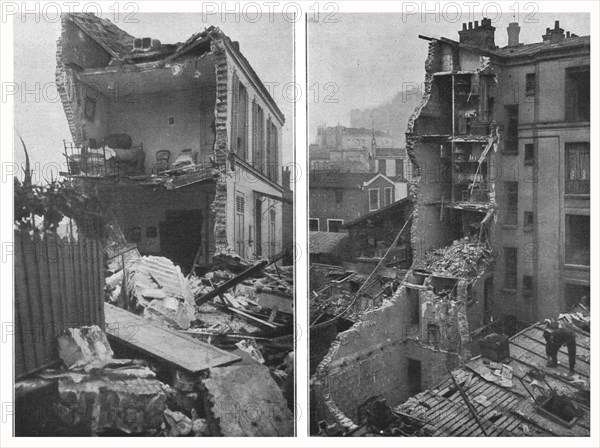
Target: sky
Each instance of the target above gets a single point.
(40, 118)
(361, 61)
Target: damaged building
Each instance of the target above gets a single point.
(499, 227)
(181, 141)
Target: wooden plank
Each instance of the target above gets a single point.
(77, 290)
(89, 280)
(101, 281)
(69, 283)
(174, 347)
(24, 316)
(50, 259)
(40, 270)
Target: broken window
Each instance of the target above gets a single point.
(510, 267)
(511, 191)
(578, 94)
(560, 408)
(313, 224)
(527, 285)
(433, 334)
(388, 195)
(381, 166)
(400, 167)
(511, 144)
(374, 199)
(334, 225)
(527, 221)
(530, 84)
(577, 239)
(529, 153)
(577, 165)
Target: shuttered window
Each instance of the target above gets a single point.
(258, 132)
(235, 112)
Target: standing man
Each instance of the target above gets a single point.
(555, 339)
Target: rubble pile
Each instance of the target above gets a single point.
(250, 316)
(464, 258)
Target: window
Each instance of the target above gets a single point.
(313, 224)
(433, 334)
(334, 225)
(511, 191)
(577, 239)
(400, 167)
(577, 165)
(258, 136)
(577, 93)
(413, 311)
(240, 207)
(527, 221)
(388, 195)
(135, 234)
(242, 123)
(530, 84)
(272, 151)
(510, 267)
(381, 166)
(511, 145)
(529, 152)
(171, 121)
(527, 285)
(374, 199)
(151, 232)
(89, 109)
(272, 233)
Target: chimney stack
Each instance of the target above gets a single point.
(513, 34)
(554, 35)
(481, 36)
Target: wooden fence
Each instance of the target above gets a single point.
(59, 284)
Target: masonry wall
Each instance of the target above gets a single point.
(147, 121)
(372, 357)
(323, 205)
(243, 182)
(541, 251)
(144, 207)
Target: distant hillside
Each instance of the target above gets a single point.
(391, 117)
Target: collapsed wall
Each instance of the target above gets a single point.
(377, 355)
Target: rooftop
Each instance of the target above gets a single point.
(501, 393)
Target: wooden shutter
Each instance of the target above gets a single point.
(235, 82)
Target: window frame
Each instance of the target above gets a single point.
(341, 221)
(318, 224)
(385, 196)
(371, 209)
(510, 282)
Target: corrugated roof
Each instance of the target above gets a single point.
(506, 408)
(325, 242)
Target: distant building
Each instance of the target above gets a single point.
(338, 197)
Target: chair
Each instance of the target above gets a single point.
(162, 161)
